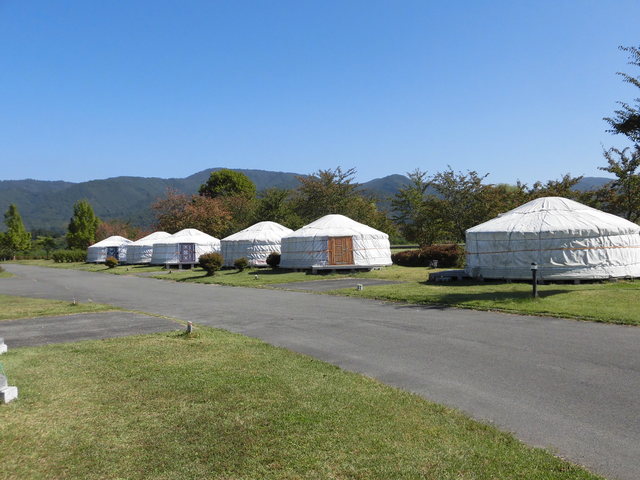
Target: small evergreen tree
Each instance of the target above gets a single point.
(16, 239)
(83, 226)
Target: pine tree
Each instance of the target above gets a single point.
(16, 239)
(83, 226)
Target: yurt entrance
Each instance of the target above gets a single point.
(112, 252)
(340, 250)
(187, 253)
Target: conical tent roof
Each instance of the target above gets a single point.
(260, 232)
(113, 241)
(564, 238)
(168, 250)
(335, 226)
(557, 215)
(151, 238)
(191, 235)
(311, 245)
(254, 243)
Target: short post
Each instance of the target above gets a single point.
(189, 327)
(534, 279)
(3, 346)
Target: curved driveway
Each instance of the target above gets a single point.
(573, 387)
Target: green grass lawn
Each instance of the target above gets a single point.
(220, 405)
(603, 302)
(92, 267)
(22, 307)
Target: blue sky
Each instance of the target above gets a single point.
(94, 89)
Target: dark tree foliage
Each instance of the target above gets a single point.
(627, 119)
(622, 196)
(83, 226)
(16, 238)
(335, 192)
(176, 211)
(228, 183)
(276, 205)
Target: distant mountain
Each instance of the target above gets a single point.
(46, 205)
(591, 183)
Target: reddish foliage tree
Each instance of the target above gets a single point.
(118, 227)
(176, 211)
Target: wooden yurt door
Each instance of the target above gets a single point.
(187, 252)
(340, 251)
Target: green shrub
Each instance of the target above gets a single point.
(241, 263)
(273, 260)
(111, 262)
(446, 256)
(211, 262)
(68, 256)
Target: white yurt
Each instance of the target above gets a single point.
(140, 251)
(183, 248)
(566, 239)
(114, 246)
(254, 243)
(335, 240)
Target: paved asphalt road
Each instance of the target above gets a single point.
(571, 386)
(31, 332)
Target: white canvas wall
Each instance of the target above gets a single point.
(141, 250)
(97, 253)
(168, 251)
(567, 240)
(309, 246)
(254, 243)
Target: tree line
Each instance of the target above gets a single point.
(431, 209)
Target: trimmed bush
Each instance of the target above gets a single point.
(111, 262)
(68, 256)
(447, 256)
(211, 263)
(273, 260)
(241, 263)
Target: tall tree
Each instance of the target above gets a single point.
(325, 192)
(627, 119)
(457, 202)
(227, 183)
(176, 211)
(83, 226)
(122, 228)
(622, 196)
(275, 205)
(411, 212)
(16, 239)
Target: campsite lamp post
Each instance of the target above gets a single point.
(534, 279)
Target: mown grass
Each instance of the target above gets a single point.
(92, 267)
(603, 302)
(12, 307)
(224, 406)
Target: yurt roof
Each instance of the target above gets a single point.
(335, 226)
(262, 231)
(113, 241)
(190, 235)
(151, 238)
(560, 215)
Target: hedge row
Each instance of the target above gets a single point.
(68, 256)
(446, 256)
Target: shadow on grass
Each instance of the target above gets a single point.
(491, 299)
